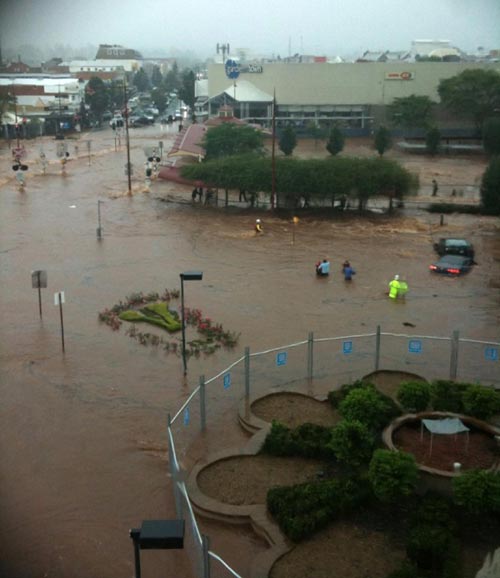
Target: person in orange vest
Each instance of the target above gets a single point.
(258, 226)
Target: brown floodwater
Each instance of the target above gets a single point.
(83, 434)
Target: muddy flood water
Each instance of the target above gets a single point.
(83, 434)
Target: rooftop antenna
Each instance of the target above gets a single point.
(223, 48)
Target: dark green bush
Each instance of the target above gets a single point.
(446, 395)
(393, 475)
(428, 546)
(478, 491)
(336, 396)
(303, 509)
(435, 510)
(279, 441)
(414, 395)
(312, 441)
(369, 407)
(480, 401)
(352, 443)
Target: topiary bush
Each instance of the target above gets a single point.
(279, 441)
(414, 395)
(478, 491)
(303, 509)
(336, 396)
(369, 407)
(352, 443)
(312, 441)
(393, 475)
(446, 395)
(480, 401)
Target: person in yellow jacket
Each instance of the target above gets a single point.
(258, 226)
(403, 289)
(394, 287)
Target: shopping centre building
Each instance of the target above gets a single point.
(355, 95)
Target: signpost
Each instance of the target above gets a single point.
(59, 300)
(39, 281)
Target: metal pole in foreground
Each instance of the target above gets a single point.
(186, 276)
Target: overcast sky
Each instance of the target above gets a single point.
(264, 27)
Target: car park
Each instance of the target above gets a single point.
(452, 265)
(447, 246)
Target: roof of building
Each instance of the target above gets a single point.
(117, 52)
(245, 91)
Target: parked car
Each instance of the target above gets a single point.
(452, 265)
(454, 247)
(138, 120)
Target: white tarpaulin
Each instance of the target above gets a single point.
(446, 426)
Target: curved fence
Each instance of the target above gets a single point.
(334, 360)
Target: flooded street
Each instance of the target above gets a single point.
(83, 434)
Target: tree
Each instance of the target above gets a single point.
(411, 111)
(186, 90)
(367, 406)
(230, 139)
(171, 81)
(159, 98)
(156, 77)
(490, 188)
(288, 140)
(432, 140)
(382, 139)
(491, 136)
(414, 395)
(141, 80)
(474, 93)
(336, 141)
(97, 96)
(393, 475)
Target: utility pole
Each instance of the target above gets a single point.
(129, 166)
(273, 155)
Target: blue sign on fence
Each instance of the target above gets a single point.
(415, 346)
(347, 347)
(227, 381)
(281, 358)
(491, 353)
(186, 416)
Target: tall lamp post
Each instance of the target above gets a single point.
(186, 276)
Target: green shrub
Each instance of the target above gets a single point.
(414, 395)
(303, 509)
(336, 396)
(393, 475)
(312, 441)
(447, 395)
(428, 546)
(435, 510)
(352, 443)
(480, 401)
(369, 407)
(279, 441)
(478, 491)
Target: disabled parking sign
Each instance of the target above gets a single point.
(491, 353)
(227, 381)
(415, 346)
(281, 358)
(347, 347)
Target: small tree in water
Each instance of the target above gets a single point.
(382, 140)
(288, 141)
(336, 141)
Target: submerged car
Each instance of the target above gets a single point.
(454, 247)
(452, 265)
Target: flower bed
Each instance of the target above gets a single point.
(155, 309)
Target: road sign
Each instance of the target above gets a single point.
(186, 416)
(281, 358)
(59, 298)
(227, 381)
(347, 347)
(39, 279)
(232, 69)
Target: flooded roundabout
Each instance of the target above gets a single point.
(84, 431)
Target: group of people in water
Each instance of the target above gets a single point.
(398, 288)
(323, 269)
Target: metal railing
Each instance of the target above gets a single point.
(336, 359)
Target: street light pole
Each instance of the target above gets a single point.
(129, 166)
(186, 276)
